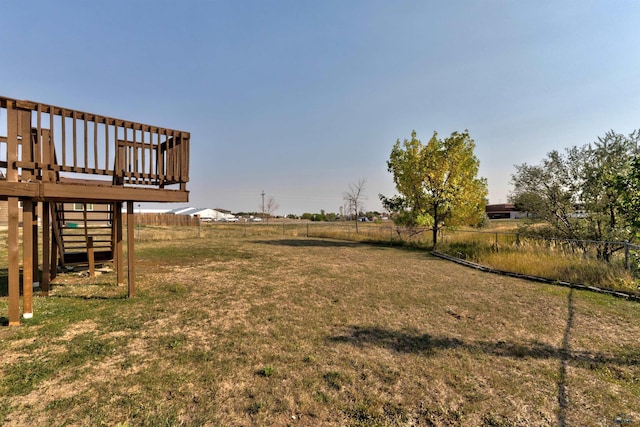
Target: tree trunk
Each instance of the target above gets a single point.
(435, 235)
(435, 226)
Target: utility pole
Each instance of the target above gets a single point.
(262, 194)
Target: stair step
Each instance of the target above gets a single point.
(80, 244)
(81, 213)
(81, 226)
(83, 246)
(82, 236)
(83, 257)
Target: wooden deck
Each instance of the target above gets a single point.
(62, 150)
(54, 155)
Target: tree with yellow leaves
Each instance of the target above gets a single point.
(438, 182)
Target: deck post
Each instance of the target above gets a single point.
(117, 230)
(91, 257)
(46, 241)
(130, 254)
(53, 271)
(13, 209)
(14, 267)
(36, 255)
(27, 259)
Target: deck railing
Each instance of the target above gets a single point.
(44, 142)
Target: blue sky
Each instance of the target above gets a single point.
(303, 98)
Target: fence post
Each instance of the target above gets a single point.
(627, 264)
(518, 240)
(307, 236)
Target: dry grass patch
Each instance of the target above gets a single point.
(540, 260)
(291, 331)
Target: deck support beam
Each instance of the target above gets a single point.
(27, 259)
(91, 257)
(117, 252)
(130, 253)
(53, 272)
(36, 246)
(46, 242)
(14, 263)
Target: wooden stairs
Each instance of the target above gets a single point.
(81, 229)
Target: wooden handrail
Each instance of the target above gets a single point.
(67, 140)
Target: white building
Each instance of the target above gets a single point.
(206, 214)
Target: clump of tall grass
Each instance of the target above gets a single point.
(540, 261)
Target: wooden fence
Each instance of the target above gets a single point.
(164, 219)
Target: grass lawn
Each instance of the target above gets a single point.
(293, 331)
